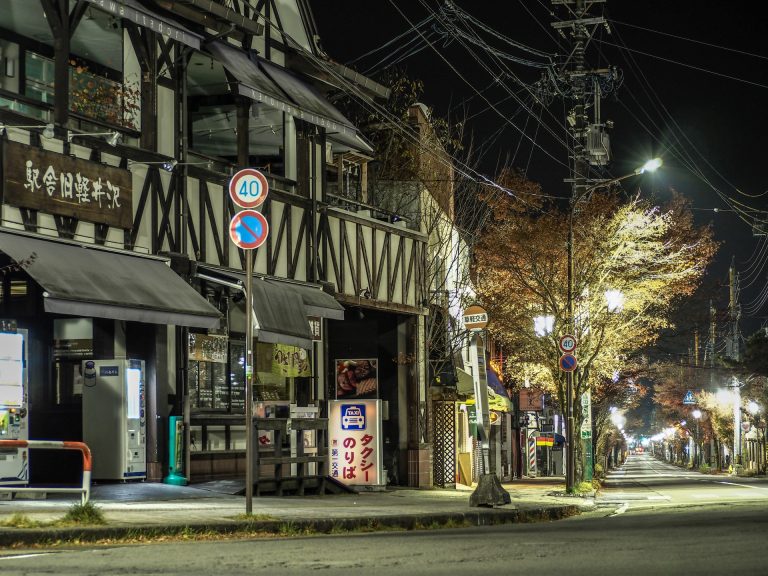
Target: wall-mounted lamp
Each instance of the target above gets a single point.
(48, 131)
(112, 138)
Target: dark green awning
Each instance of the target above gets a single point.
(92, 281)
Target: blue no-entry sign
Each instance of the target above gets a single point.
(248, 229)
(567, 362)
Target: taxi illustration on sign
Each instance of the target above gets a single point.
(353, 417)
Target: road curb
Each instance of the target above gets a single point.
(17, 537)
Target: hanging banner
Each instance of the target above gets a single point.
(290, 361)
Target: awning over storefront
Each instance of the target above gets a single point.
(316, 302)
(281, 307)
(135, 12)
(280, 316)
(267, 83)
(465, 384)
(90, 281)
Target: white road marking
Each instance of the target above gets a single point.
(621, 509)
(743, 485)
(18, 556)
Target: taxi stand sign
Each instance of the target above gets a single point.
(248, 230)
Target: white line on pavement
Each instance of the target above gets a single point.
(17, 556)
(742, 485)
(621, 509)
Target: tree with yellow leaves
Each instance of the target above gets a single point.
(634, 261)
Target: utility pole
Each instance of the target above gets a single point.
(589, 146)
(733, 351)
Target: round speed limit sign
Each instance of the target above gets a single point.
(567, 343)
(248, 188)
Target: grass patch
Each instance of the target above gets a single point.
(255, 517)
(22, 521)
(584, 488)
(77, 515)
(86, 514)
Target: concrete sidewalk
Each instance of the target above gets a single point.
(158, 509)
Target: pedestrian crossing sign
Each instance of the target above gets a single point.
(688, 399)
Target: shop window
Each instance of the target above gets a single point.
(91, 95)
(216, 373)
(39, 78)
(72, 343)
(213, 115)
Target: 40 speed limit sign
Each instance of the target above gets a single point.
(567, 343)
(248, 188)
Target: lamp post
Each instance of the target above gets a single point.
(754, 409)
(696, 455)
(649, 166)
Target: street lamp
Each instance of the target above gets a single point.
(697, 454)
(754, 409)
(543, 325)
(649, 166)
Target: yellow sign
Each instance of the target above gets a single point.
(290, 361)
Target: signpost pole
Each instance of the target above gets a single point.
(248, 230)
(249, 367)
(489, 491)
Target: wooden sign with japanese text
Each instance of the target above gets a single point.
(67, 186)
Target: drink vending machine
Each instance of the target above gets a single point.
(14, 424)
(114, 423)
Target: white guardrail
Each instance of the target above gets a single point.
(84, 490)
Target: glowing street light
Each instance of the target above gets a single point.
(543, 325)
(578, 194)
(697, 454)
(615, 300)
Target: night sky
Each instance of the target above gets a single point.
(694, 91)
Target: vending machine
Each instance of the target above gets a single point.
(14, 424)
(114, 425)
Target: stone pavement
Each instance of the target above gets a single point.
(158, 509)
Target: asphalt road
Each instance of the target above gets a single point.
(653, 519)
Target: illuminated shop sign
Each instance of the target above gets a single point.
(354, 442)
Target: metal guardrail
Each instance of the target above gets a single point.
(84, 490)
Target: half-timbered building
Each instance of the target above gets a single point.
(123, 122)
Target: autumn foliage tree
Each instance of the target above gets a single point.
(650, 256)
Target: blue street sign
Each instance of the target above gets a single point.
(248, 229)
(689, 399)
(353, 416)
(568, 362)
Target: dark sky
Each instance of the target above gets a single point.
(701, 105)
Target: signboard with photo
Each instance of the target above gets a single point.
(357, 378)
